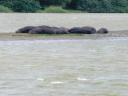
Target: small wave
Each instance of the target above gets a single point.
(112, 78)
(56, 82)
(40, 79)
(82, 79)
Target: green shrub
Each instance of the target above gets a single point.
(22, 5)
(53, 2)
(55, 9)
(64, 6)
(4, 9)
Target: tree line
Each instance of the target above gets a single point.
(91, 6)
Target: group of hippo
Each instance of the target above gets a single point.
(61, 30)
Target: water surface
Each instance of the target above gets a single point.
(64, 67)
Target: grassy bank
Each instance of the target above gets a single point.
(50, 9)
(57, 9)
(4, 9)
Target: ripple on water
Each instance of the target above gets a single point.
(56, 82)
(82, 79)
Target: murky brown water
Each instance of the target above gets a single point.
(64, 67)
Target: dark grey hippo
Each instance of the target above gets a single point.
(102, 31)
(83, 30)
(89, 30)
(60, 30)
(42, 30)
(25, 29)
(44, 26)
(48, 30)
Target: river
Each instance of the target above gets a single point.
(64, 67)
(83, 67)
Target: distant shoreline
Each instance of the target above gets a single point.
(18, 36)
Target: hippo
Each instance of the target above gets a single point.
(44, 26)
(102, 31)
(48, 30)
(83, 30)
(25, 29)
(42, 30)
(89, 30)
(60, 30)
(75, 30)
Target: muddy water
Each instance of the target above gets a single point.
(64, 67)
(10, 22)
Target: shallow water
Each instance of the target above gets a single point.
(64, 67)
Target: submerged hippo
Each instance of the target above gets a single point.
(102, 31)
(25, 29)
(83, 30)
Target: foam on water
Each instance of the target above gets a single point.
(40, 79)
(82, 79)
(56, 82)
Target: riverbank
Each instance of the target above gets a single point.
(19, 36)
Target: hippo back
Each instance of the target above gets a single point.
(75, 30)
(83, 30)
(42, 30)
(60, 30)
(89, 30)
(25, 29)
(102, 31)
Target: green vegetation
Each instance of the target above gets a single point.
(4, 9)
(54, 9)
(65, 6)
(57, 9)
(21, 5)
